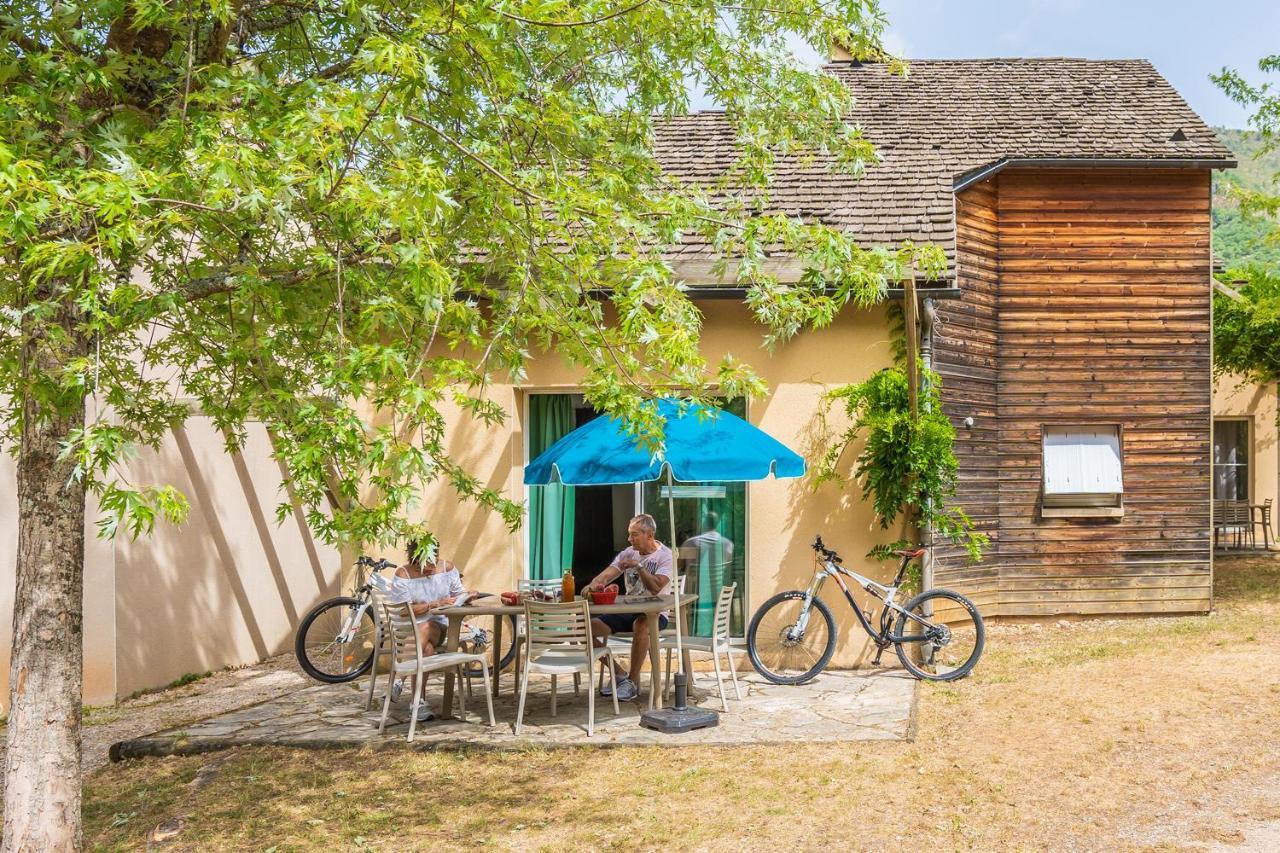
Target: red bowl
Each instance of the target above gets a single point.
(607, 596)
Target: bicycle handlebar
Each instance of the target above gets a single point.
(376, 565)
(826, 552)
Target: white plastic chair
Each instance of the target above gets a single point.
(558, 642)
(380, 588)
(717, 644)
(407, 659)
(551, 587)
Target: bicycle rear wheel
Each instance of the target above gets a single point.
(322, 651)
(781, 649)
(947, 641)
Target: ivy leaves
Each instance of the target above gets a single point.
(907, 466)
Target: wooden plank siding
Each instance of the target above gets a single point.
(965, 356)
(1101, 316)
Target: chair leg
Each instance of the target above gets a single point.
(413, 710)
(488, 695)
(613, 682)
(523, 685)
(666, 679)
(724, 703)
(733, 671)
(386, 704)
(554, 691)
(577, 683)
(462, 693)
(591, 711)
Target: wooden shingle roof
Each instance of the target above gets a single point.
(952, 121)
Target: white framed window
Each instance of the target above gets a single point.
(1083, 471)
(1231, 459)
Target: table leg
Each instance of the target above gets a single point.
(497, 650)
(655, 668)
(451, 645)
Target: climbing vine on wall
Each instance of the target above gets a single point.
(906, 466)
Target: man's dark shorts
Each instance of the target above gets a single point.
(622, 623)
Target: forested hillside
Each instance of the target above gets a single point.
(1238, 240)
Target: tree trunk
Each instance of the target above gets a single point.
(42, 762)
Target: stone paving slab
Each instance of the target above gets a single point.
(837, 706)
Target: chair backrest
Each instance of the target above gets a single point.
(551, 586)
(566, 625)
(402, 630)
(724, 607)
(1240, 512)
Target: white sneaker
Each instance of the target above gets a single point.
(424, 713)
(606, 687)
(627, 690)
(397, 688)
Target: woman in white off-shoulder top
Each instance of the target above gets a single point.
(425, 583)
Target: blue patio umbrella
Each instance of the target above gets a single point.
(700, 444)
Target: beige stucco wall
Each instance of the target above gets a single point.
(1258, 404)
(229, 586)
(783, 516)
(226, 588)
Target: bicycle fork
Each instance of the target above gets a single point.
(349, 628)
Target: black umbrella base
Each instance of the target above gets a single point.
(681, 718)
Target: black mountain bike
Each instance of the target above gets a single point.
(792, 636)
(335, 641)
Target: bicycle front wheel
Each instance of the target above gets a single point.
(787, 645)
(328, 649)
(944, 639)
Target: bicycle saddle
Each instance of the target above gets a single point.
(909, 555)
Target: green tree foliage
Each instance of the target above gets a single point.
(1241, 239)
(276, 209)
(1246, 330)
(344, 220)
(907, 466)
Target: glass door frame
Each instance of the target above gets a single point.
(1248, 454)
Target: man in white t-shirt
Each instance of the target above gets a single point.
(646, 566)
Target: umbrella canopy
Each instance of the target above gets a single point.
(701, 444)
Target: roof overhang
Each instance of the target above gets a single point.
(973, 176)
(929, 290)
(705, 280)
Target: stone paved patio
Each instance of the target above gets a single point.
(836, 706)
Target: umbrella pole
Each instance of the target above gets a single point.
(679, 717)
(675, 581)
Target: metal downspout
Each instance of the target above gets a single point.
(928, 316)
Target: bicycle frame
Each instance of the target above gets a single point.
(881, 592)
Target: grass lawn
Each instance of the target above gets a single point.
(1117, 734)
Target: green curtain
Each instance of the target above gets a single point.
(550, 507)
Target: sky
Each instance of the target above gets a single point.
(1185, 41)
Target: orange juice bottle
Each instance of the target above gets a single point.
(567, 586)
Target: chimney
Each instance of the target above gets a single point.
(839, 53)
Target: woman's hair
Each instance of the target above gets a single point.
(422, 550)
